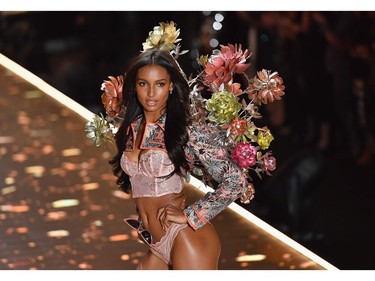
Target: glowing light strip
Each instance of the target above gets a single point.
(266, 227)
(45, 87)
(60, 97)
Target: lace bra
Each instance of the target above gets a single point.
(148, 177)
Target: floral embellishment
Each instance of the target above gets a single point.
(241, 130)
(238, 126)
(244, 155)
(222, 64)
(99, 130)
(265, 138)
(269, 163)
(232, 115)
(112, 96)
(163, 37)
(267, 87)
(223, 107)
(248, 195)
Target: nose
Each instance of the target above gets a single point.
(151, 92)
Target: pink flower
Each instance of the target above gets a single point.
(222, 64)
(269, 162)
(244, 155)
(234, 88)
(112, 96)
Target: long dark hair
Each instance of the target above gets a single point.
(177, 113)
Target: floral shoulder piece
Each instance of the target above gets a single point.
(230, 112)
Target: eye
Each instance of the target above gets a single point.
(141, 83)
(161, 84)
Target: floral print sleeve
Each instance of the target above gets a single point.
(217, 162)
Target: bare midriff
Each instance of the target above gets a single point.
(148, 210)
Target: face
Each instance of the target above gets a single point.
(152, 86)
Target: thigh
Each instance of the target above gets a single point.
(196, 249)
(152, 262)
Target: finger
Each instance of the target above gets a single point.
(159, 214)
(162, 217)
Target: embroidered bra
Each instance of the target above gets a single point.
(149, 177)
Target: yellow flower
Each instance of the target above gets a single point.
(265, 138)
(223, 107)
(202, 60)
(162, 37)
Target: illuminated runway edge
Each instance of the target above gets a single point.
(60, 208)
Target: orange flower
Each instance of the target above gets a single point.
(238, 126)
(267, 87)
(112, 96)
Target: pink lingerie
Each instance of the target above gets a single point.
(148, 177)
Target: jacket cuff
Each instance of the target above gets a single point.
(194, 218)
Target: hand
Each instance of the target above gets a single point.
(170, 213)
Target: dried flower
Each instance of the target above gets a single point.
(267, 87)
(112, 96)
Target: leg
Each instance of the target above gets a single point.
(152, 262)
(196, 250)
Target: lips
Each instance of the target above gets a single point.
(151, 102)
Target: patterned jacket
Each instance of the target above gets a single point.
(215, 159)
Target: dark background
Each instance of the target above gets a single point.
(322, 193)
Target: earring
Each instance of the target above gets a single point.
(171, 91)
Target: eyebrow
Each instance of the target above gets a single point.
(157, 80)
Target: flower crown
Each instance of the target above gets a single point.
(229, 112)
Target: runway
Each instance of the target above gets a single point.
(59, 205)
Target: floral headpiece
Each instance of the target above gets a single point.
(164, 37)
(229, 112)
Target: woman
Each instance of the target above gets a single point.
(158, 144)
(156, 147)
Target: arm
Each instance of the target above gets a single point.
(232, 182)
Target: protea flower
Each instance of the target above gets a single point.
(267, 87)
(112, 96)
(223, 63)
